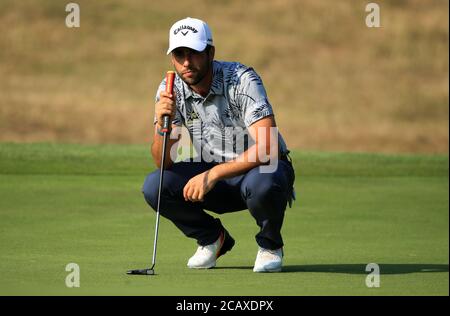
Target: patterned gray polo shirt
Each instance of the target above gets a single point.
(217, 124)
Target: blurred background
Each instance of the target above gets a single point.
(334, 83)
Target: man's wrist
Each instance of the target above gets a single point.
(213, 174)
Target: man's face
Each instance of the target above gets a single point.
(192, 66)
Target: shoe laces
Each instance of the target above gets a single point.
(211, 248)
(269, 253)
(201, 249)
(206, 249)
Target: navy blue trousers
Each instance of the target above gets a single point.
(265, 195)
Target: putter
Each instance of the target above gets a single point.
(151, 271)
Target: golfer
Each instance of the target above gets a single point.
(241, 160)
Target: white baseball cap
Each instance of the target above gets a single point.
(191, 33)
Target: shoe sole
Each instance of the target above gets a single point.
(267, 271)
(203, 267)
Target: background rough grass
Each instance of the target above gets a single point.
(335, 84)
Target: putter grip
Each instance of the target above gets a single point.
(170, 77)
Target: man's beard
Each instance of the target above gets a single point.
(198, 75)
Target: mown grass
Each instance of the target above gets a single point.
(335, 84)
(82, 204)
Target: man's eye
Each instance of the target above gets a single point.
(178, 54)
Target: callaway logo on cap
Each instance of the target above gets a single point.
(191, 33)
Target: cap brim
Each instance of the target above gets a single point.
(198, 46)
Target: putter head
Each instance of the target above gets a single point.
(142, 272)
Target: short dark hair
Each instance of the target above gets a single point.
(208, 48)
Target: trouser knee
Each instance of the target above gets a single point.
(150, 189)
(267, 199)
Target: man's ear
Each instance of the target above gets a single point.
(212, 51)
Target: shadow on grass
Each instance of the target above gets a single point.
(385, 268)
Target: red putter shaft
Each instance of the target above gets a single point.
(170, 77)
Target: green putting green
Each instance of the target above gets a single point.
(82, 203)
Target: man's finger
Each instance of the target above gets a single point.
(200, 196)
(165, 94)
(196, 195)
(192, 195)
(165, 111)
(189, 193)
(186, 187)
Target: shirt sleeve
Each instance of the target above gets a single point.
(177, 119)
(252, 98)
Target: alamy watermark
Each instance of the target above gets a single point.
(373, 18)
(73, 278)
(213, 144)
(73, 18)
(373, 278)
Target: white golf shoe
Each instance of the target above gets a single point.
(206, 256)
(268, 260)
